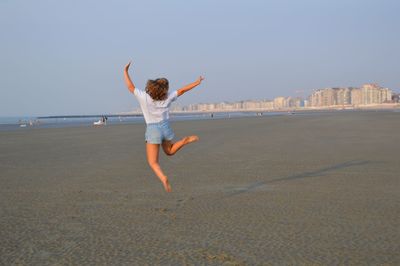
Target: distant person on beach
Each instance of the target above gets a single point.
(155, 102)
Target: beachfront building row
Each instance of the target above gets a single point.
(368, 94)
(250, 105)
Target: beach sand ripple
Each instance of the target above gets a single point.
(283, 190)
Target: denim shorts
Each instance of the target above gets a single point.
(157, 132)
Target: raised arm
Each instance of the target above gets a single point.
(128, 81)
(190, 86)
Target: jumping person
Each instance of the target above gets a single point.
(155, 102)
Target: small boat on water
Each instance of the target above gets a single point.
(99, 123)
(102, 121)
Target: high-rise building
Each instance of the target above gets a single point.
(342, 96)
(356, 97)
(328, 97)
(366, 95)
(386, 95)
(279, 102)
(323, 97)
(371, 94)
(251, 105)
(295, 102)
(268, 105)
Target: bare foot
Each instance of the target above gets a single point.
(166, 185)
(190, 139)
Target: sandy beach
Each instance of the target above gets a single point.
(272, 190)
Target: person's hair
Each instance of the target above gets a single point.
(157, 89)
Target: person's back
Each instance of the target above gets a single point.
(154, 111)
(155, 102)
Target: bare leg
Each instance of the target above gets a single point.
(152, 159)
(171, 148)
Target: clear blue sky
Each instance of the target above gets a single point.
(66, 57)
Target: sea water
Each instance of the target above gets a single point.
(25, 122)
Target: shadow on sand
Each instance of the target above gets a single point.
(316, 173)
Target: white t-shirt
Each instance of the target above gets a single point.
(154, 111)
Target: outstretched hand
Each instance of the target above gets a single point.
(200, 79)
(128, 81)
(190, 86)
(128, 65)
